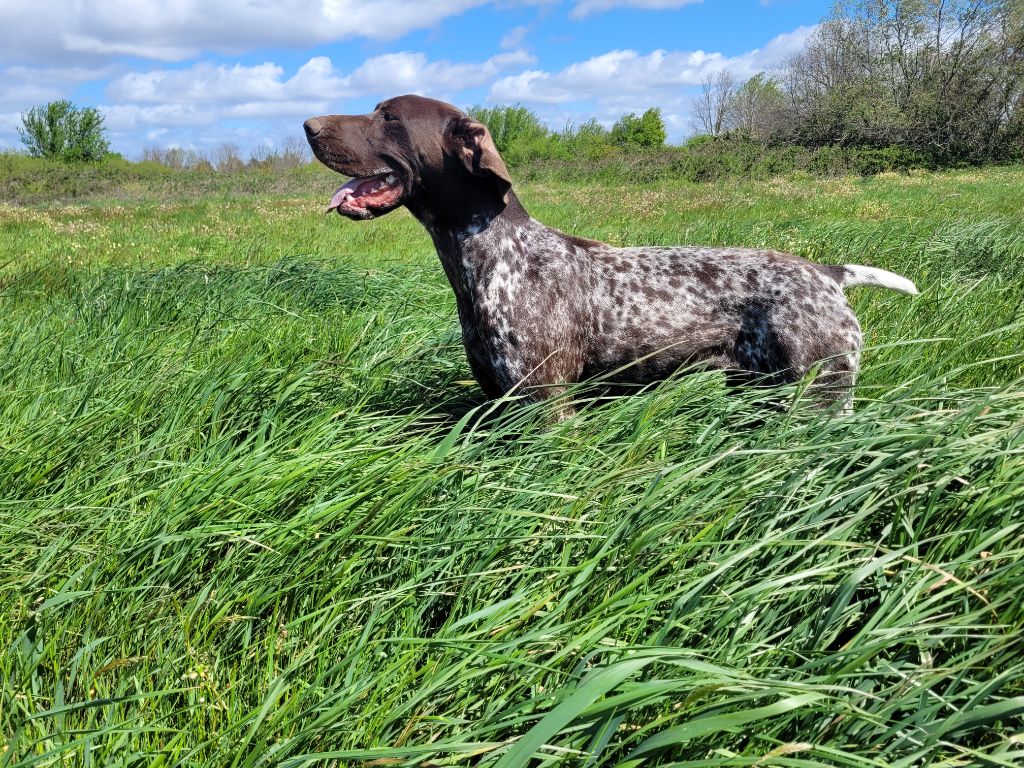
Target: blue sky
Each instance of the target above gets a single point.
(201, 73)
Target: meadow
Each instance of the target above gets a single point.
(254, 511)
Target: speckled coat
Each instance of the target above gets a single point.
(540, 309)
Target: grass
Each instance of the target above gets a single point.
(254, 512)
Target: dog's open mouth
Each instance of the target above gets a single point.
(364, 197)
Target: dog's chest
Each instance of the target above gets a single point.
(517, 281)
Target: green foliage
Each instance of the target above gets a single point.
(943, 78)
(61, 131)
(589, 141)
(253, 513)
(645, 132)
(518, 133)
(710, 158)
(28, 180)
(509, 125)
(866, 161)
(699, 140)
(757, 109)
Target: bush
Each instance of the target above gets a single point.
(698, 140)
(866, 161)
(176, 158)
(869, 161)
(509, 125)
(943, 78)
(646, 131)
(291, 153)
(589, 141)
(61, 131)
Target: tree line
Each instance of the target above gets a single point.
(943, 78)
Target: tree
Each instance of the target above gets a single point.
(62, 131)
(588, 140)
(509, 125)
(944, 77)
(518, 133)
(227, 157)
(647, 131)
(757, 109)
(711, 108)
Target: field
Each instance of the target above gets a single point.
(254, 511)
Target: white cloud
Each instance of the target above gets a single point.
(164, 104)
(616, 75)
(24, 87)
(609, 75)
(514, 37)
(392, 73)
(91, 45)
(91, 30)
(203, 82)
(316, 81)
(126, 118)
(9, 123)
(584, 8)
(607, 86)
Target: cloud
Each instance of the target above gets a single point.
(411, 72)
(24, 87)
(607, 86)
(247, 103)
(90, 45)
(615, 72)
(514, 37)
(95, 30)
(9, 124)
(584, 8)
(315, 81)
(626, 73)
(122, 118)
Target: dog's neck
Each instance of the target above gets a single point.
(471, 246)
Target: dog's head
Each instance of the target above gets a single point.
(409, 151)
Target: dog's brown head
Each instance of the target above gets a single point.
(410, 151)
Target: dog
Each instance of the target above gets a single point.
(541, 310)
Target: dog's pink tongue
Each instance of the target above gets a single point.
(343, 191)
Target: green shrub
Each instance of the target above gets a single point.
(61, 131)
(509, 125)
(697, 141)
(646, 131)
(589, 141)
(869, 160)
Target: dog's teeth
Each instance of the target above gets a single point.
(390, 179)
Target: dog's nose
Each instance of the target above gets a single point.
(313, 126)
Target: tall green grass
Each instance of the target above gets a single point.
(253, 511)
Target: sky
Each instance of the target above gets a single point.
(201, 73)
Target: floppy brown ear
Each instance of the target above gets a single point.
(475, 148)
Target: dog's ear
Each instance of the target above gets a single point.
(472, 143)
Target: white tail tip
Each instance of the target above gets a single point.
(855, 274)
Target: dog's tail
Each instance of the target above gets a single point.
(855, 274)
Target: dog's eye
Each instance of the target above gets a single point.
(388, 116)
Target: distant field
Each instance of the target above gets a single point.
(253, 510)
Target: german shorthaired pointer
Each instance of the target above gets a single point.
(541, 309)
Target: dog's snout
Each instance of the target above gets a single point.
(313, 126)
